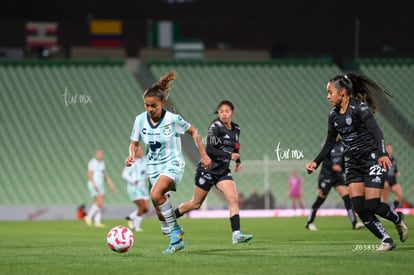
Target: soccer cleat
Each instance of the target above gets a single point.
(173, 248)
(88, 221)
(177, 233)
(130, 224)
(99, 225)
(402, 228)
(358, 225)
(169, 233)
(242, 238)
(386, 245)
(139, 229)
(311, 227)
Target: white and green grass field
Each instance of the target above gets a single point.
(279, 246)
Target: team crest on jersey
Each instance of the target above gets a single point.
(167, 130)
(348, 120)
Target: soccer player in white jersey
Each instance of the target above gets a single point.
(160, 131)
(97, 175)
(135, 176)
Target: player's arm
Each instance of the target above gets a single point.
(205, 159)
(90, 178)
(133, 146)
(109, 181)
(323, 154)
(237, 150)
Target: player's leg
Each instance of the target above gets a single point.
(142, 206)
(132, 191)
(202, 184)
(94, 207)
(99, 200)
(320, 199)
(385, 192)
(396, 188)
(324, 187)
(195, 203)
(358, 195)
(342, 190)
(374, 185)
(162, 186)
(228, 188)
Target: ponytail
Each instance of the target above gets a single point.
(161, 89)
(361, 87)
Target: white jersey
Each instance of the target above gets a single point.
(136, 173)
(98, 170)
(163, 141)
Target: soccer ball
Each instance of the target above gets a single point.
(120, 239)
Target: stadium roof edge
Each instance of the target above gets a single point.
(45, 62)
(281, 61)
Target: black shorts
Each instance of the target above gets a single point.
(328, 180)
(391, 180)
(365, 168)
(206, 180)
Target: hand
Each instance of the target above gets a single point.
(310, 167)
(129, 161)
(206, 161)
(385, 162)
(235, 156)
(337, 168)
(112, 188)
(238, 167)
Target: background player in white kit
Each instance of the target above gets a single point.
(160, 130)
(97, 175)
(135, 176)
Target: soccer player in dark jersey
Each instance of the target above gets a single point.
(366, 160)
(391, 183)
(222, 147)
(332, 175)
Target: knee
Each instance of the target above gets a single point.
(373, 204)
(358, 203)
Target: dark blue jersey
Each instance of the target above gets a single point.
(335, 157)
(221, 143)
(359, 131)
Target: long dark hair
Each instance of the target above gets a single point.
(361, 87)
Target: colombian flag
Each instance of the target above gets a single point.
(106, 33)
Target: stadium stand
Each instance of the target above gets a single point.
(276, 103)
(55, 114)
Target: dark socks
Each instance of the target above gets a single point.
(396, 204)
(316, 205)
(235, 222)
(382, 209)
(177, 213)
(348, 206)
(371, 222)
